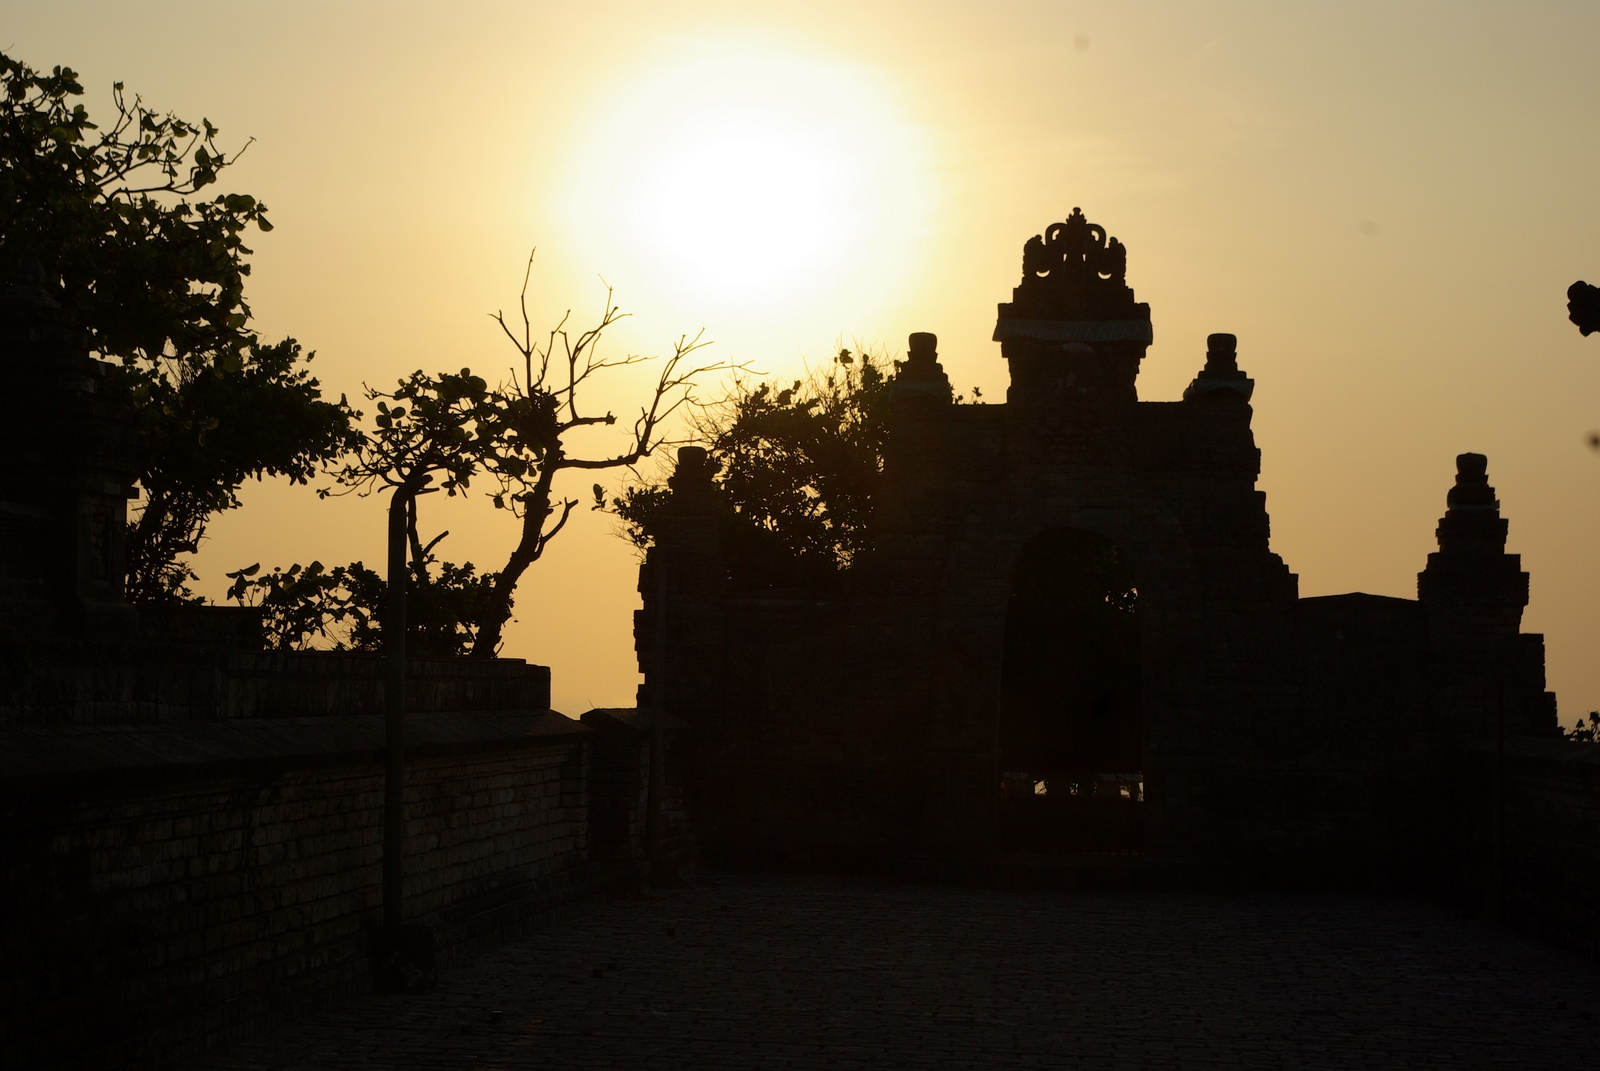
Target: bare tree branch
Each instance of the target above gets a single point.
(544, 406)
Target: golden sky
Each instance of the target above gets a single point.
(1384, 201)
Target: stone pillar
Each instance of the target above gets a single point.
(921, 378)
(677, 631)
(912, 498)
(1221, 378)
(919, 412)
(1223, 513)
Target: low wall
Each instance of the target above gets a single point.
(170, 889)
(1549, 832)
(76, 683)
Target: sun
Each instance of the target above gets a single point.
(741, 195)
(740, 176)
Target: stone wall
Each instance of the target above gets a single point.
(171, 888)
(77, 683)
(1525, 835)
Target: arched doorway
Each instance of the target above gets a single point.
(1070, 728)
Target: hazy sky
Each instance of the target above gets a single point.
(1384, 201)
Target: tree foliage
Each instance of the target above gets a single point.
(1585, 732)
(797, 468)
(114, 223)
(207, 427)
(431, 433)
(1583, 307)
(312, 607)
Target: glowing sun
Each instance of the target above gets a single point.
(740, 177)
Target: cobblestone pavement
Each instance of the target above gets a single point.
(740, 972)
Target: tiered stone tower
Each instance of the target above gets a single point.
(1488, 676)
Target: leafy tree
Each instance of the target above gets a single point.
(797, 467)
(312, 607)
(434, 432)
(114, 220)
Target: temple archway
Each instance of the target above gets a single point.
(1071, 724)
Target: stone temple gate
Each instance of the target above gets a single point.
(1071, 633)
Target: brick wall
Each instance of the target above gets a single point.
(168, 890)
(76, 683)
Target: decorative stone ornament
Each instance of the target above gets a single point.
(1221, 373)
(921, 375)
(1074, 289)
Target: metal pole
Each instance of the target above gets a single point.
(653, 815)
(394, 771)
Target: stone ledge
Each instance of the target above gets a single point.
(1549, 751)
(42, 757)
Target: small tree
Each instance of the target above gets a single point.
(113, 220)
(439, 432)
(433, 434)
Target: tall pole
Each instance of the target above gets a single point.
(657, 783)
(394, 770)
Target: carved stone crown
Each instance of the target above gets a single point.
(1074, 288)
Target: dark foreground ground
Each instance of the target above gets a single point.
(747, 972)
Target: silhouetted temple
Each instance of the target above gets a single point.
(1070, 640)
(1071, 633)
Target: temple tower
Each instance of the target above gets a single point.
(1488, 675)
(1072, 332)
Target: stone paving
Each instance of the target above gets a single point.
(790, 972)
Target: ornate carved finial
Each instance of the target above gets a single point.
(1471, 491)
(1472, 525)
(693, 470)
(921, 375)
(1074, 273)
(1221, 371)
(1222, 355)
(1471, 567)
(1075, 247)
